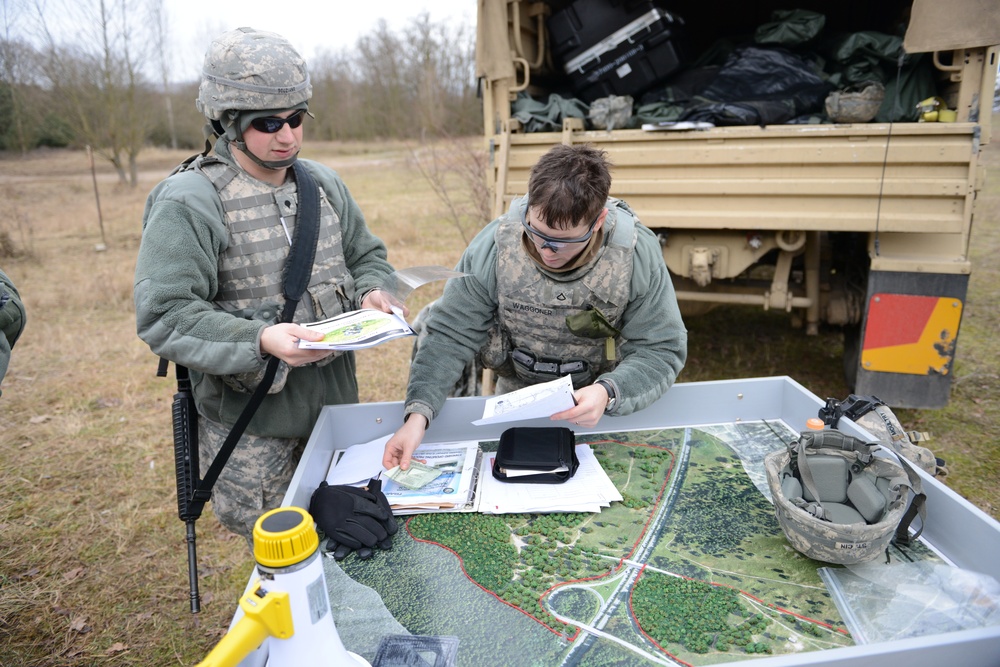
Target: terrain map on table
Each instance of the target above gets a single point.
(691, 568)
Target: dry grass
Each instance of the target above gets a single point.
(92, 560)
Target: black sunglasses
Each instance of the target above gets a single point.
(272, 124)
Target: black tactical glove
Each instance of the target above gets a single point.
(353, 518)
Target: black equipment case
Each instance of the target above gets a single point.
(614, 47)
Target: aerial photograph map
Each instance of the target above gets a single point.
(691, 568)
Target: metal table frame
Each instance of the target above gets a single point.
(958, 530)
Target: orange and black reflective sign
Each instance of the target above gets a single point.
(911, 334)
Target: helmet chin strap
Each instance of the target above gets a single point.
(267, 164)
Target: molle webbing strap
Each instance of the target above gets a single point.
(264, 245)
(243, 226)
(259, 292)
(253, 201)
(224, 178)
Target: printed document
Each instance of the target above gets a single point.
(540, 400)
(363, 328)
(358, 329)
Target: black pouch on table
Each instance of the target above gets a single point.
(549, 451)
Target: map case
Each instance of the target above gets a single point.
(691, 568)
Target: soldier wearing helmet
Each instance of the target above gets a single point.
(208, 280)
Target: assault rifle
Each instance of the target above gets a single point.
(190, 498)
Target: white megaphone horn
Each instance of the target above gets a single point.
(288, 607)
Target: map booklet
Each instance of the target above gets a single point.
(358, 329)
(443, 477)
(363, 328)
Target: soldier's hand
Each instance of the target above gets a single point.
(590, 404)
(282, 341)
(379, 299)
(399, 450)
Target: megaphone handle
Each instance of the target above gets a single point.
(267, 615)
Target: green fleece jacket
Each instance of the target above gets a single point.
(12, 320)
(176, 280)
(655, 339)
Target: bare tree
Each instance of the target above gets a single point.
(98, 78)
(383, 82)
(455, 168)
(161, 39)
(17, 60)
(441, 70)
(419, 84)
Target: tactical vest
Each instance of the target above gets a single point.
(533, 306)
(261, 222)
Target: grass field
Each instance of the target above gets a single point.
(93, 569)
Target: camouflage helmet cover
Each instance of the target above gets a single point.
(247, 69)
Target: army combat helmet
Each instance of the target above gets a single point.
(248, 74)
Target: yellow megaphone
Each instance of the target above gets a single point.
(288, 607)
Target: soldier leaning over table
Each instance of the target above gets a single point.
(568, 282)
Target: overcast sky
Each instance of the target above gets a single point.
(310, 26)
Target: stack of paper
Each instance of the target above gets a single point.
(588, 490)
(452, 490)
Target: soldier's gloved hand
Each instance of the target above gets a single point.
(353, 518)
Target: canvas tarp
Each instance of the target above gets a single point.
(943, 25)
(493, 60)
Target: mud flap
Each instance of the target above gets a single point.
(909, 336)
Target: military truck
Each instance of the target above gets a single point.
(863, 226)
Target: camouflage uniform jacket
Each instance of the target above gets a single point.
(208, 280)
(12, 320)
(654, 340)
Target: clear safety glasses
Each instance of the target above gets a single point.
(546, 242)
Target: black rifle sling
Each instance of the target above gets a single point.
(295, 279)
